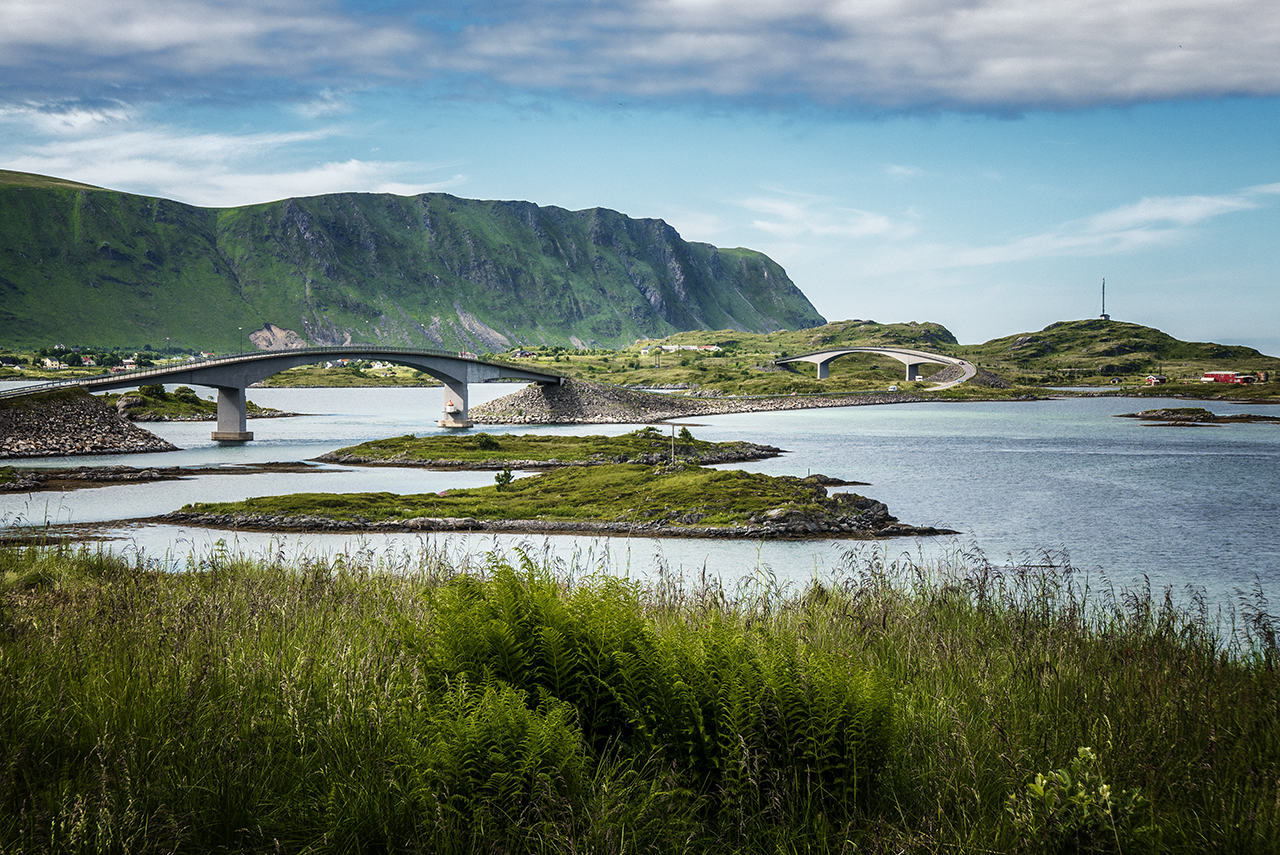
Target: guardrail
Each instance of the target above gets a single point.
(256, 355)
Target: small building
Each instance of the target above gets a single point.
(1226, 377)
(1156, 379)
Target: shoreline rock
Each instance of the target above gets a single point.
(69, 422)
(1194, 417)
(778, 528)
(745, 453)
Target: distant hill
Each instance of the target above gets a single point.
(850, 333)
(84, 265)
(1109, 348)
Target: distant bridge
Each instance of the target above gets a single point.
(231, 375)
(912, 358)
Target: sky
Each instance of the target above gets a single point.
(982, 164)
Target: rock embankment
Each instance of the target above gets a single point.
(67, 422)
(584, 402)
(35, 480)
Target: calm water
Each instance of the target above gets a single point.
(1182, 506)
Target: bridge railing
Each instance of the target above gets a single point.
(256, 355)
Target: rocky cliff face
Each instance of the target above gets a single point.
(429, 270)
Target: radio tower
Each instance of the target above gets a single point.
(1104, 314)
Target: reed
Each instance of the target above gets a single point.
(515, 703)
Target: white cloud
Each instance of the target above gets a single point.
(211, 169)
(976, 54)
(985, 55)
(71, 49)
(896, 170)
(794, 215)
(1153, 221)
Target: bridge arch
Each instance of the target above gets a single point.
(232, 375)
(913, 359)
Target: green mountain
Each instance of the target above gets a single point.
(85, 265)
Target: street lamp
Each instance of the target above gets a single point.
(241, 329)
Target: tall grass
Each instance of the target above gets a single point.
(520, 705)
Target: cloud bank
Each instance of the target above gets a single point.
(967, 55)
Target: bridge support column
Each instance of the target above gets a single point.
(913, 371)
(824, 369)
(232, 409)
(455, 404)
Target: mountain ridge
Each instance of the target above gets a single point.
(85, 265)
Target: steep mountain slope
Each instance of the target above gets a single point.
(81, 265)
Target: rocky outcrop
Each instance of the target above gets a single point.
(1191, 416)
(67, 422)
(584, 402)
(272, 337)
(737, 452)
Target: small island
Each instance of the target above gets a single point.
(152, 403)
(1194, 417)
(483, 451)
(672, 500)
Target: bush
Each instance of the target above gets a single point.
(153, 390)
(757, 720)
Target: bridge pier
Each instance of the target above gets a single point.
(232, 414)
(455, 404)
(913, 371)
(824, 369)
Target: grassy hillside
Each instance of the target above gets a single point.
(744, 363)
(81, 265)
(1089, 352)
(1098, 351)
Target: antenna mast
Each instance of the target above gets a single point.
(1104, 315)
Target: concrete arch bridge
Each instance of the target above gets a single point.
(231, 375)
(913, 359)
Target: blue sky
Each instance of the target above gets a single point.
(979, 163)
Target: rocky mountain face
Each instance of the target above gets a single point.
(82, 265)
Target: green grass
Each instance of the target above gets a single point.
(9, 178)
(484, 447)
(616, 492)
(501, 704)
(349, 376)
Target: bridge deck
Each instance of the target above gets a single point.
(232, 374)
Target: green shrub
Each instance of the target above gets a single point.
(755, 719)
(1075, 810)
(484, 757)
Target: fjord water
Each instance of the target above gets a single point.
(1180, 506)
